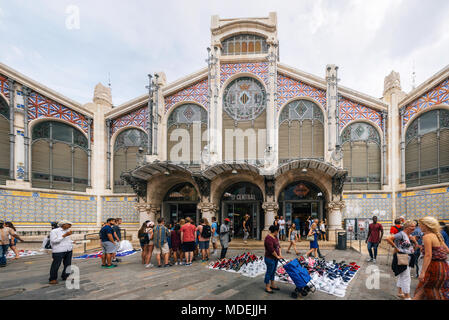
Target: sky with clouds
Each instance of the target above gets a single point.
(367, 39)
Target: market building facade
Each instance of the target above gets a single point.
(244, 135)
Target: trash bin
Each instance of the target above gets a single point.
(341, 242)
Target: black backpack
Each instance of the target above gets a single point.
(206, 232)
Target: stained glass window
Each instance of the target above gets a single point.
(244, 44)
(244, 99)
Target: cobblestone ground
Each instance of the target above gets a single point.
(27, 278)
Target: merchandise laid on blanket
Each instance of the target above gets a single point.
(329, 277)
(23, 253)
(247, 264)
(126, 249)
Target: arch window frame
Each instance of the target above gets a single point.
(234, 45)
(181, 115)
(415, 131)
(124, 141)
(301, 110)
(352, 134)
(45, 131)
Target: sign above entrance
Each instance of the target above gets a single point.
(301, 190)
(240, 197)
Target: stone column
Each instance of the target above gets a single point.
(271, 209)
(208, 210)
(334, 218)
(147, 212)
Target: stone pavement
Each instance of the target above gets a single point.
(27, 278)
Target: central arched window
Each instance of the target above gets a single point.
(244, 44)
(427, 149)
(244, 121)
(186, 127)
(126, 149)
(301, 131)
(361, 157)
(4, 141)
(59, 157)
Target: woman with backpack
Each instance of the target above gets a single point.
(205, 233)
(141, 234)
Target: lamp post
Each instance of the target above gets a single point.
(150, 88)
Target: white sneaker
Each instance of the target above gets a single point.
(149, 265)
(369, 260)
(374, 260)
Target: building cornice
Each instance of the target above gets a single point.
(425, 86)
(43, 90)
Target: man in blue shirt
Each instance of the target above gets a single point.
(108, 244)
(215, 235)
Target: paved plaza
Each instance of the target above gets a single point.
(27, 279)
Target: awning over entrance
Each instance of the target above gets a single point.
(325, 167)
(149, 170)
(214, 171)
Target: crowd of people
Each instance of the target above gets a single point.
(421, 244)
(181, 242)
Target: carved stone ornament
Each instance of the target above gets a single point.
(139, 186)
(207, 207)
(336, 205)
(393, 80)
(270, 206)
(269, 185)
(203, 184)
(102, 95)
(338, 182)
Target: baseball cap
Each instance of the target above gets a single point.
(227, 219)
(150, 224)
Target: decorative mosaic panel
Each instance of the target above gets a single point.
(435, 96)
(418, 204)
(259, 69)
(197, 92)
(350, 111)
(288, 88)
(368, 205)
(136, 118)
(4, 87)
(40, 107)
(120, 207)
(36, 208)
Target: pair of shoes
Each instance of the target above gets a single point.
(167, 265)
(53, 282)
(149, 265)
(275, 288)
(111, 266)
(269, 291)
(369, 260)
(188, 264)
(116, 260)
(159, 266)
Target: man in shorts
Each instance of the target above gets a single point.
(188, 232)
(160, 239)
(215, 234)
(108, 244)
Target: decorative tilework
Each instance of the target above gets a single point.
(28, 208)
(367, 206)
(438, 95)
(259, 69)
(120, 207)
(418, 204)
(350, 111)
(288, 88)
(136, 118)
(4, 88)
(197, 92)
(40, 107)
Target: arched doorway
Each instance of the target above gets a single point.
(301, 200)
(238, 200)
(181, 202)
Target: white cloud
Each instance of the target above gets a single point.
(367, 39)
